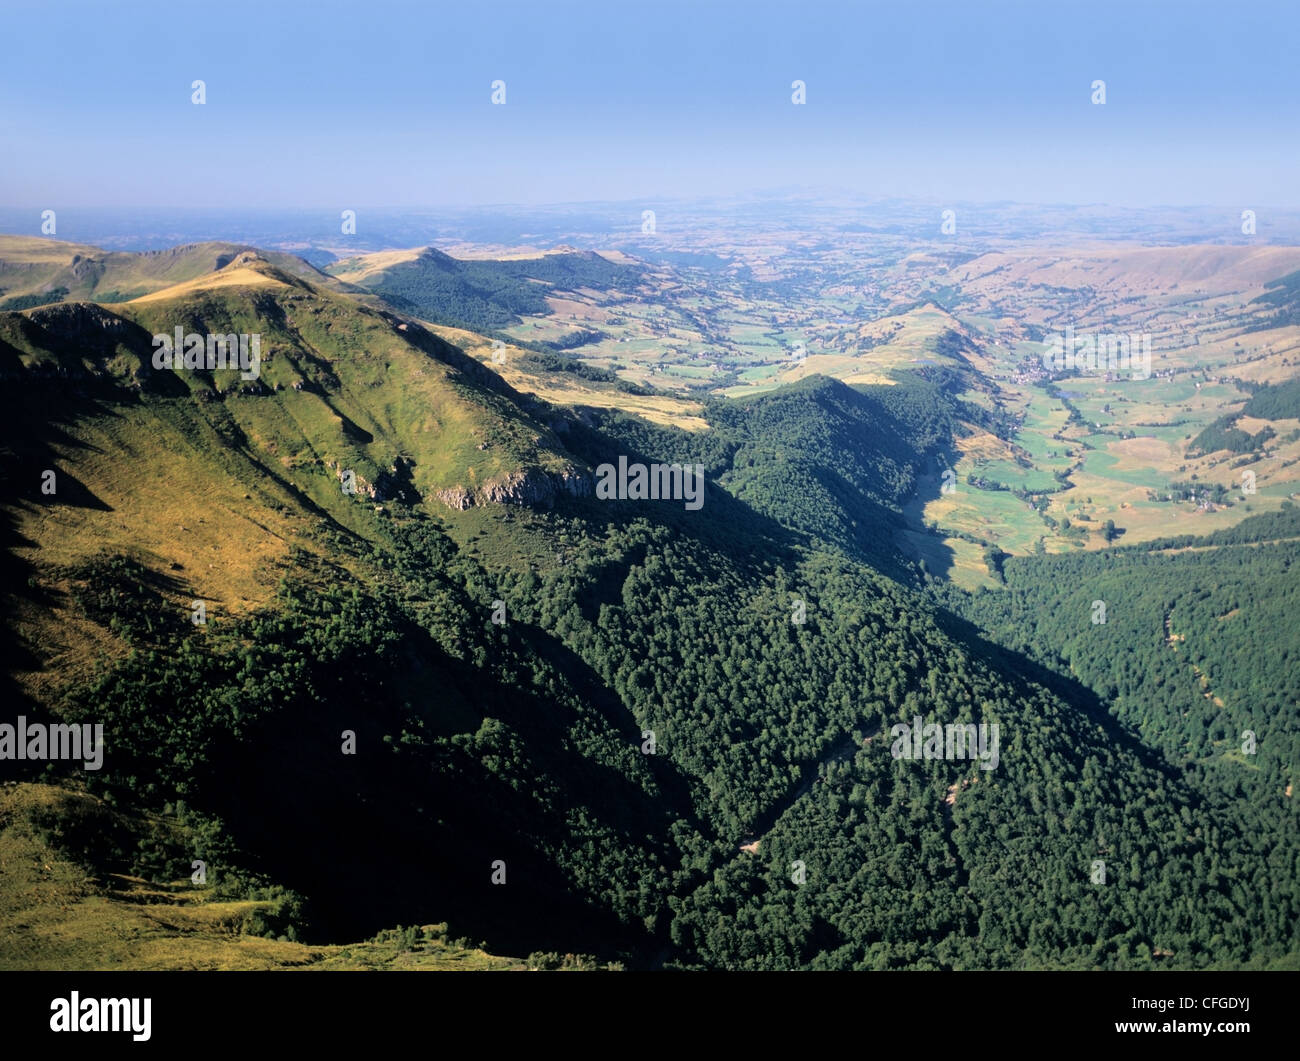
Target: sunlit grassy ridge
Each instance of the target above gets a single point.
(36, 271)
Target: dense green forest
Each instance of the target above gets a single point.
(1223, 434)
(1275, 401)
(1190, 644)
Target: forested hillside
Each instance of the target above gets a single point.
(1191, 645)
(483, 295)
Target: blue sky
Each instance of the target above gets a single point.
(353, 105)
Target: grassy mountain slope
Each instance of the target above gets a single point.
(172, 488)
(573, 383)
(39, 271)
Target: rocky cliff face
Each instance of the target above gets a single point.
(81, 322)
(534, 488)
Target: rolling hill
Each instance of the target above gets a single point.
(36, 271)
(484, 295)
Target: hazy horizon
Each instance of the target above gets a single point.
(680, 222)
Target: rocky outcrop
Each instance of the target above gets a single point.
(533, 488)
(75, 333)
(456, 497)
(79, 321)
